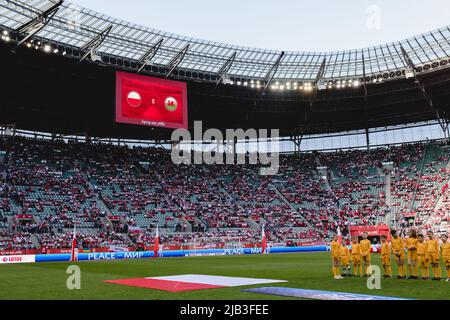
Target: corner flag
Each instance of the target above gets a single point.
(156, 246)
(339, 235)
(263, 241)
(74, 249)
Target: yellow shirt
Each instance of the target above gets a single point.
(335, 249)
(397, 244)
(365, 247)
(411, 243)
(432, 246)
(445, 247)
(356, 249)
(421, 248)
(345, 252)
(385, 249)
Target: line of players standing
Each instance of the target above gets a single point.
(413, 252)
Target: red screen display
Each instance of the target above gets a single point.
(150, 101)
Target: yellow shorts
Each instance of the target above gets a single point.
(399, 255)
(433, 258)
(386, 260)
(345, 261)
(356, 259)
(366, 258)
(422, 261)
(412, 255)
(446, 261)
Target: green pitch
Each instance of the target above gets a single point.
(303, 270)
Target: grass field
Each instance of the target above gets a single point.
(303, 270)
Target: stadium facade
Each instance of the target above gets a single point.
(347, 97)
(59, 64)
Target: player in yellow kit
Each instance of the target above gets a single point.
(386, 257)
(411, 246)
(365, 247)
(445, 251)
(432, 247)
(422, 257)
(345, 261)
(398, 248)
(335, 257)
(356, 257)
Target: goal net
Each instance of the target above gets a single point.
(204, 243)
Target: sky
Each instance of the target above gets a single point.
(293, 25)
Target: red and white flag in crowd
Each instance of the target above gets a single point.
(263, 241)
(74, 249)
(156, 246)
(444, 187)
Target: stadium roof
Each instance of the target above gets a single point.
(75, 26)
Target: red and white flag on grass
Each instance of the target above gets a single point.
(74, 249)
(263, 241)
(156, 246)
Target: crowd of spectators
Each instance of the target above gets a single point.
(121, 194)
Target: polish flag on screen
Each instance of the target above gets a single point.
(74, 249)
(263, 241)
(134, 99)
(156, 246)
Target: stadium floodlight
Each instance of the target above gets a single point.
(47, 48)
(32, 27)
(409, 74)
(91, 47)
(356, 83)
(227, 80)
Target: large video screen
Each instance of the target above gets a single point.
(149, 101)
